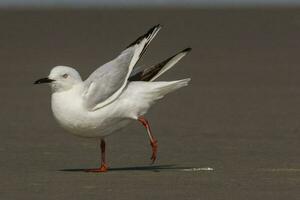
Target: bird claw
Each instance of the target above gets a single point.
(103, 168)
(154, 145)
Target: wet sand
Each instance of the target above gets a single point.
(240, 115)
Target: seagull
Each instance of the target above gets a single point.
(112, 96)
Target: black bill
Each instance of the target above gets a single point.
(43, 80)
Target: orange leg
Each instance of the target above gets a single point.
(103, 167)
(153, 141)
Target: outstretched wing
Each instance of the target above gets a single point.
(152, 73)
(106, 83)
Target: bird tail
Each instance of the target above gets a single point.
(144, 94)
(164, 88)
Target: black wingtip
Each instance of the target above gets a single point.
(149, 32)
(187, 50)
(154, 27)
(148, 73)
(158, 26)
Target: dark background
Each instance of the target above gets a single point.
(239, 116)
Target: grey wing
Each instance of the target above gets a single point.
(105, 84)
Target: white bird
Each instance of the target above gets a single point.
(111, 96)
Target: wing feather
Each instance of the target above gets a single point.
(105, 84)
(152, 73)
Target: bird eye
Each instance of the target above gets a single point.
(65, 75)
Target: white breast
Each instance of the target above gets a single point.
(68, 111)
(71, 114)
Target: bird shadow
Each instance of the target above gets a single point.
(153, 168)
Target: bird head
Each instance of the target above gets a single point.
(61, 78)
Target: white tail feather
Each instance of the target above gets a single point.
(172, 86)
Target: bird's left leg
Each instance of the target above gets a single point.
(103, 167)
(153, 141)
